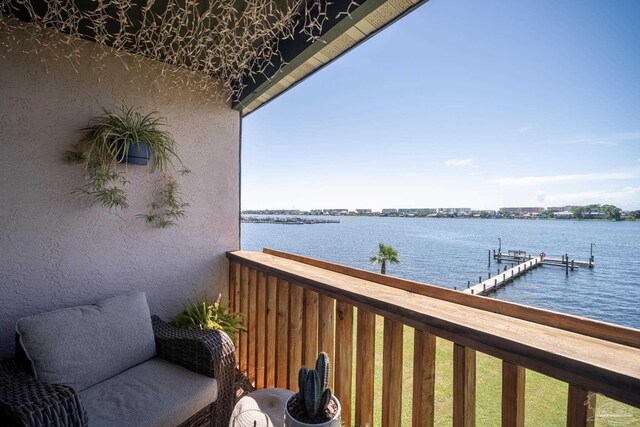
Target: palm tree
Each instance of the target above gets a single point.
(385, 254)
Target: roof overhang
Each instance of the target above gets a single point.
(230, 41)
(302, 57)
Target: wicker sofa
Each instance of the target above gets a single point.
(112, 364)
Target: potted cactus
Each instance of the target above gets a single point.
(313, 405)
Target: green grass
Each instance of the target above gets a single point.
(545, 397)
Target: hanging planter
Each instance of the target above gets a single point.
(138, 153)
(126, 136)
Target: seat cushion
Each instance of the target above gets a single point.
(155, 393)
(82, 346)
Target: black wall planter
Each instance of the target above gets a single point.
(138, 154)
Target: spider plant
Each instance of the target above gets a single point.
(105, 144)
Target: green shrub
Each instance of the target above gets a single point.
(204, 314)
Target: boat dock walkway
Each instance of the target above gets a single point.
(505, 277)
(521, 257)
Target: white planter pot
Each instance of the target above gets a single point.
(289, 421)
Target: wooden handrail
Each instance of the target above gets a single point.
(607, 331)
(591, 363)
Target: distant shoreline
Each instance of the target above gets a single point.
(296, 219)
(286, 220)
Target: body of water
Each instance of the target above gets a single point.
(449, 252)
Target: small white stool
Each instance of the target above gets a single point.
(270, 401)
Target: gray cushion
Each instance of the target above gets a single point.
(155, 393)
(82, 346)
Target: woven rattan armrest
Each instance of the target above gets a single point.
(206, 352)
(25, 401)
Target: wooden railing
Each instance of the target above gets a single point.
(297, 306)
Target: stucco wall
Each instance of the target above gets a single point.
(57, 250)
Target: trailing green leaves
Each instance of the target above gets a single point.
(105, 144)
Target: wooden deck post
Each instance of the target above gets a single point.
(253, 322)
(392, 374)
(344, 358)
(326, 329)
(424, 376)
(244, 308)
(464, 386)
(272, 331)
(581, 406)
(261, 330)
(282, 334)
(513, 382)
(295, 334)
(234, 299)
(365, 364)
(310, 335)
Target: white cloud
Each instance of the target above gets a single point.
(461, 162)
(542, 197)
(524, 129)
(548, 179)
(613, 139)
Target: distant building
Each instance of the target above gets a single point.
(363, 211)
(521, 211)
(416, 211)
(454, 211)
(593, 215)
(407, 210)
(563, 215)
(390, 211)
(558, 208)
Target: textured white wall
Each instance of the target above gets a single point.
(58, 251)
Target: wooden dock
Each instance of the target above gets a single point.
(504, 277)
(521, 257)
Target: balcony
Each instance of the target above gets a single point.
(297, 306)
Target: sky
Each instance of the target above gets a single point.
(462, 103)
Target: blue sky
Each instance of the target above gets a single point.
(462, 103)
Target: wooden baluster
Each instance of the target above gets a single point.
(513, 380)
(344, 358)
(272, 331)
(424, 376)
(392, 374)
(310, 336)
(581, 407)
(464, 386)
(282, 334)
(295, 334)
(326, 329)
(261, 330)
(253, 317)
(365, 358)
(244, 308)
(234, 299)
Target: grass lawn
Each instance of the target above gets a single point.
(545, 397)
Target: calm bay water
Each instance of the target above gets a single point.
(449, 252)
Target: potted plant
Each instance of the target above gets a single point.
(201, 313)
(313, 404)
(127, 137)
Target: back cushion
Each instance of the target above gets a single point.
(82, 346)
